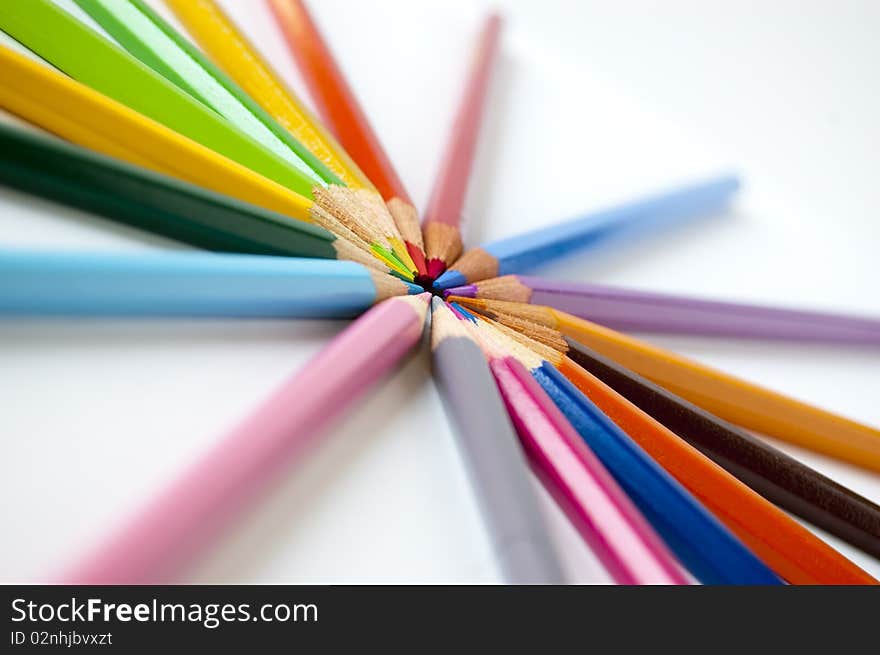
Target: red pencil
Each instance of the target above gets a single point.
(443, 219)
(340, 110)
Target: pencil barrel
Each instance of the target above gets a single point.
(73, 47)
(135, 196)
(181, 284)
(644, 311)
(496, 463)
(704, 545)
(157, 542)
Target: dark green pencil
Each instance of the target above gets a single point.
(52, 168)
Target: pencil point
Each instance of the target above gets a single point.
(418, 258)
(413, 289)
(450, 278)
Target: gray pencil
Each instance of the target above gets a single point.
(496, 464)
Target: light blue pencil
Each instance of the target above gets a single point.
(188, 284)
(520, 253)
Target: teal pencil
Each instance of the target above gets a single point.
(188, 284)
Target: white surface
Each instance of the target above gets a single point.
(629, 96)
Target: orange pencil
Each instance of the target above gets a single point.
(442, 224)
(341, 111)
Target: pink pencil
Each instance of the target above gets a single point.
(159, 541)
(441, 226)
(609, 523)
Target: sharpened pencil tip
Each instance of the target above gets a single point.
(436, 303)
(468, 291)
(450, 278)
(436, 268)
(413, 289)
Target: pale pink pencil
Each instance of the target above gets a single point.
(155, 545)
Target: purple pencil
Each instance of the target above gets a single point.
(646, 311)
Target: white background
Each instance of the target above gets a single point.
(594, 102)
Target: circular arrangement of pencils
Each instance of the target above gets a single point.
(651, 456)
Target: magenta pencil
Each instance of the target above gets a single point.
(611, 525)
(170, 531)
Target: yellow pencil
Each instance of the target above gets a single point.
(233, 53)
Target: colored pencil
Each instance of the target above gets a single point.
(441, 226)
(43, 96)
(494, 459)
(781, 479)
(230, 49)
(597, 507)
(49, 167)
(647, 311)
(146, 36)
(92, 59)
(520, 253)
(788, 548)
(702, 542)
(338, 106)
(182, 521)
(188, 284)
(741, 402)
(155, 43)
(599, 510)
(72, 46)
